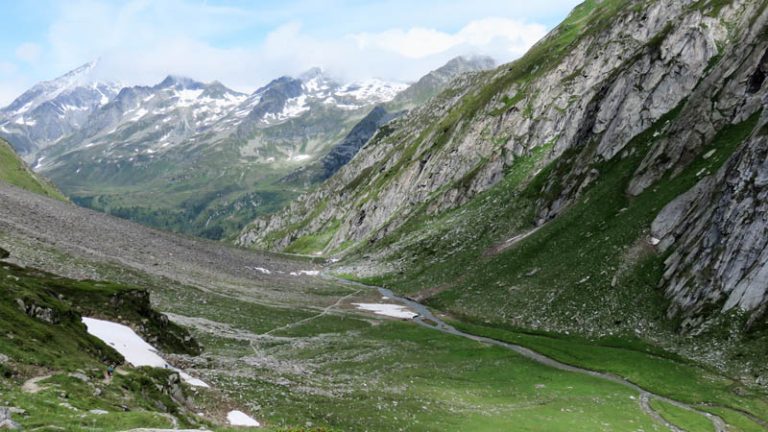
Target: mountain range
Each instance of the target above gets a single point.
(191, 156)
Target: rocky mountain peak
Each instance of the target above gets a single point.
(313, 73)
(468, 63)
(48, 90)
(179, 82)
(216, 89)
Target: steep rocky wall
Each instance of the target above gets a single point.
(609, 84)
(718, 234)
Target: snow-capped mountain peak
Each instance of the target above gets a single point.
(180, 82)
(52, 109)
(78, 112)
(48, 90)
(312, 73)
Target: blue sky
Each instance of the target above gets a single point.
(246, 43)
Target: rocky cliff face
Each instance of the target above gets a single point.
(672, 84)
(718, 238)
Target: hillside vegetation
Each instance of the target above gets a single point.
(14, 171)
(607, 183)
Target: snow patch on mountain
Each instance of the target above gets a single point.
(141, 112)
(132, 347)
(293, 107)
(187, 97)
(372, 91)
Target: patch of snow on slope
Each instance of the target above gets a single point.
(239, 418)
(299, 157)
(68, 107)
(141, 112)
(262, 269)
(25, 108)
(314, 85)
(372, 90)
(131, 346)
(21, 121)
(188, 97)
(387, 309)
(305, 272)
(294, 107)
(39, 164)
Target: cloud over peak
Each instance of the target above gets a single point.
(246, 45)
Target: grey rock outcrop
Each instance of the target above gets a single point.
(719, 235)
(6, 423)
(42, 313)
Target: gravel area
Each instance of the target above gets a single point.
(81, 243)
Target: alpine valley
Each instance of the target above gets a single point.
(575, 241)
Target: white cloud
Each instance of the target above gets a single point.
(412, 43)
(505, 37)
(140, 41)
(143, 41)
(29, 52)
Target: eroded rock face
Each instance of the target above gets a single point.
(719, 235)
(39, 312)
(706, 66)
(611, 86)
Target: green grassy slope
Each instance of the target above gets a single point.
(587, 256)
(214, 197)
(590, 271)
(14, 171)
(346, 372)
(43, 336)
(349, 372)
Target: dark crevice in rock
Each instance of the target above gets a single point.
(758, 77)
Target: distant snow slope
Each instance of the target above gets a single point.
(387, 309)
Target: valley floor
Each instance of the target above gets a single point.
(290, 348)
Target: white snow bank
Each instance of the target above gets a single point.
(387, 309)
(131, 346)
(239, 418)
(299, 157)
(305, 272)
(262, 269)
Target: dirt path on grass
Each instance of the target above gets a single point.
(645, 404)
(324, 312)
(31, 386)
(506, 244)
(427, 319)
